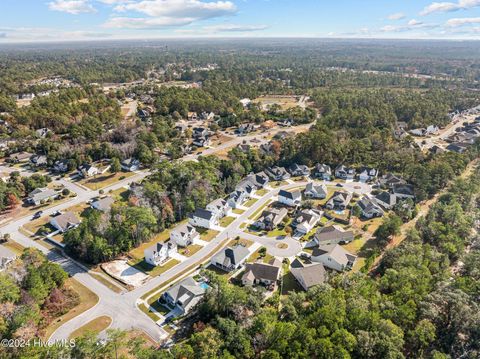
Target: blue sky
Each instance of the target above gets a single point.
(54, 20)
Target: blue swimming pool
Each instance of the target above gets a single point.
(204, 285)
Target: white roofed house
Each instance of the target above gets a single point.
(219, 207)
(230, 258)
(367, 174)
(184, 295)
(370, 208)
(339, 200)
(290, 198)
(88, 170)
(41, 195)
(317, 191)
(334, 257)
(306, 220)
(297, 170)
(322, 171)
(65, 221)
(184, 235)
(203, 218)
(159, 253)
(277, 173)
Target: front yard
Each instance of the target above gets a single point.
(104, 180)
(190, 250)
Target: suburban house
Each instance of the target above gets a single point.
(297, 170)
(334, 257)
(316, 191)
(386, 199)
(245, 128)
(65, 221)
(219, 208)
(322, 171)
(308, 275)
(270, 218)
(184, 295)
(403, 191)
(192, 116)
(230, 258)
(277, 173)
(41, 195)
(457, 147)
(243, 147)
(262, 273)
(389, 180)
(6, 257)
(60, 166)
(339, 200)
(88, 170)
(38, 160)
(332, 235)
(103, 204)
(159, 253)
(370, 208)
(184, 235)
(20, 157)
(306, 220)
(246, 186)
(203, 218)
(367, 174)
(200, 132)
(236, 198)
(130, 164)
(207, 116)
(257, 180)
(290, 198)
(345, 173)
(201, 141)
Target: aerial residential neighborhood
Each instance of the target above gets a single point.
(239, 179)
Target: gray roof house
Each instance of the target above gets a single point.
(386, 199)
(322, 171)
(308, 275)
(345, 173)
(277, 173)
(103, 204)
(65, 221)
(370, 208)
(389, 180)
(184, 295)
(314, 190)
(231, 258)
(334, 257)
(270, 218)
(6, 257)
(262, 273)
(403, 191)
(297, 170)
(332, 234)
(339, 200)
(41, 195)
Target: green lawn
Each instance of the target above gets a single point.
(250, 202)
(258, 256)
(258, 212)
(207, 234)
(225, 221)
(190, 250)
(238, 211)
(276, 184)
(155, 271)
(244, 242)
(261, 192)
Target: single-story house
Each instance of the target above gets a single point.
(270, 218)
(159, 253)
(41, 195)
(386, 199)
(345, 173)
(306, 220)
(219, 208)
(230, 258)
(103, 204)
(403, 191)
(334, 257)
(339, 200)
(184, 235)
(308, 275)
(389, 180)
(290, 198)
(314, 190)
(65, 221)
(38, 160)
(184, 295)
(262, 273)
(322, 171)
(130, 164)
(370, 208)
(88, 170)
(297, 170)
(333, 235)
(277, 173)
(203, 218)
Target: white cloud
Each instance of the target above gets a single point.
(146, 23)
(463, 21)
(113, 2)
(74, 7)
(449, 6)
(396, 16)
(409, 26)
(234, 28)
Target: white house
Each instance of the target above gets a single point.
(339, 200)
(317, 191)
(159, 253)
(290, 198)
(322, 171)
(236, 198)
(370, 208)
(367, 174)
(203, 218)
(88, 170)
(219, 207)
(297, 170)
(184, 235)
(185, 295)
(345, 173)
(334, 257)
(130, 164)
(306, 220)
(41, 195)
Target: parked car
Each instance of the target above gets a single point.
(37, 215)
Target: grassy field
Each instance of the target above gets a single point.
(284, 102)
(155, 271)
(251, 202)
(106, 282)
(261, 192)
(14, 247)
(87, 300)
(289, 283)
(36, 225)
(96, 326)
(276, 184)
(238, 211)
(104, 180)
(225, 221)
(137, 253)
(259, 211)
(190, 250)
(207, 234)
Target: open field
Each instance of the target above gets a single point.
(87, 300)
(155, 271)
(96, 326)
(285, 102)
(104, 180)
